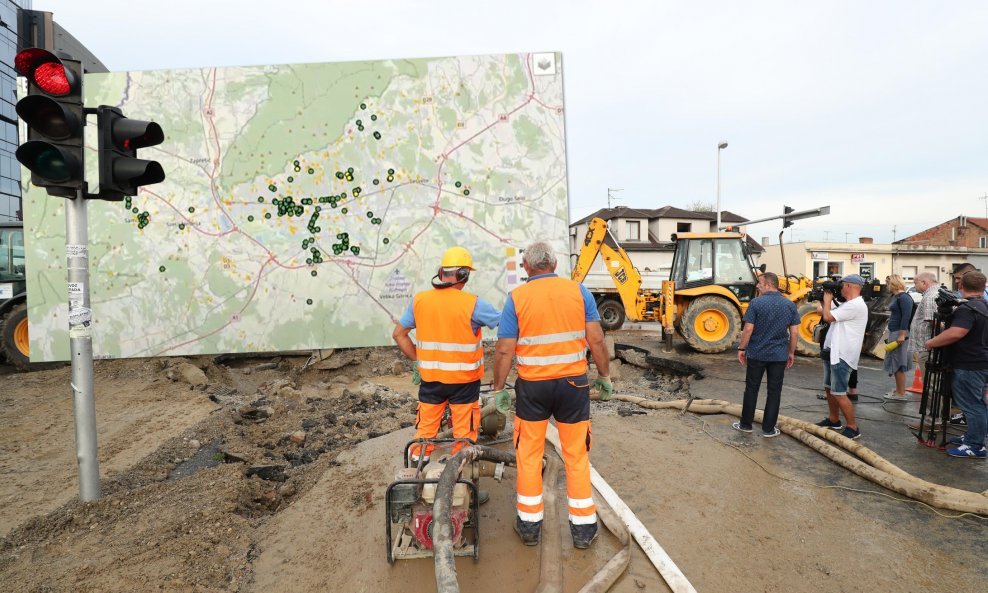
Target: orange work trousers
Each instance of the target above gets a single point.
(568, 401)
(464, 405)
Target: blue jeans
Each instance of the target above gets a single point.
(969, 395)
(753, 382)
(836, 376)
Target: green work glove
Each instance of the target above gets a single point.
(502, 401)
(416, 375)
(604, 388)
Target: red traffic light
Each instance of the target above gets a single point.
(46, 71)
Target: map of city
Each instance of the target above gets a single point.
(304, 205)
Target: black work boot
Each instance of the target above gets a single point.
(530, 532)
(583, 535)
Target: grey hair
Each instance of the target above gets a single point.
(539, 256)
(926, 276)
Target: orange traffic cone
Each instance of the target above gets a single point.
(917, 386)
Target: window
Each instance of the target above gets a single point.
(909, 272)
(983, 242)
(684, 227)
(835, 268)
(732, 264)
(699, 261)
(634, 230)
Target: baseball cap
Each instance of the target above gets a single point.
(853, 279)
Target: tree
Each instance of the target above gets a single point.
(700, 206)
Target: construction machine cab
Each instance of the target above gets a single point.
(705, 259)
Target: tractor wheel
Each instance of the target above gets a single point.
(13, 337)
(611, 315)
(710, 324)
(808, 318)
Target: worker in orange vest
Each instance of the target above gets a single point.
(448, 354)
(547, 324)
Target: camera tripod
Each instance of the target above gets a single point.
(937, 394)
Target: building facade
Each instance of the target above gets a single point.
(10, 169)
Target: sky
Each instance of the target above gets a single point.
(877, 109)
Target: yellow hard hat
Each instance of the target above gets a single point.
(457, 257)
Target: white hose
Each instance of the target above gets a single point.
(674, 577)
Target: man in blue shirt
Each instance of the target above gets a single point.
(768, 344)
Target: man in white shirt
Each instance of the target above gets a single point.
(848, 324)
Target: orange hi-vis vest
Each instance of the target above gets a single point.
(447, 348)
(552, 339)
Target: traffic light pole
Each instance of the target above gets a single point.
(81, 343)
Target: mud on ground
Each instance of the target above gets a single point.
(195, 457)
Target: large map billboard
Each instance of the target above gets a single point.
(305, 204)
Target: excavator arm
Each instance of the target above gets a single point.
(626, 278)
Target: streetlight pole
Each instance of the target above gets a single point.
(720, 147)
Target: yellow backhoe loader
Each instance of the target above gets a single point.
(709, 288)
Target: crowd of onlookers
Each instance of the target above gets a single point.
(768, 344)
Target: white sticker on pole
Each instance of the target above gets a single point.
(80, 332)
(80, 316)
(6, 291)
(73, 251)
(75, 294)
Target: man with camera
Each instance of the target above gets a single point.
(848, 324)
(968, 338)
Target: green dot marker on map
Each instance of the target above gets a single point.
(350, 170)
(386, 240)
(267, 215)
(181, 226)
(296, 163)
(260, 199)
(308, 260)
(458, 184)
(135, 210)
(161, 268)
(290, 179)
(360, 123)
(376, 181)
(355, 250)
(466, 192)
(273, 187)
(370, 214)
(391, 171)
(339, 174)
(311, 170)
(308, 301)
(377, 135)
(373, 118)
(192, 209)
(250, 219)
(344, 211)
(363, 105)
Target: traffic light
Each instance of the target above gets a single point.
(786, 221)
(53, 112)
(120, 171)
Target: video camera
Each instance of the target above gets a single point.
(831, 284)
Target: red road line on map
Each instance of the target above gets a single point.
(531, 79)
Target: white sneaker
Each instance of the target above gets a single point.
(895, 397)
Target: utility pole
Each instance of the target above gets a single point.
(985, 198)
(846, 235)
(893, 233)
(610, 197)
(826, 235)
